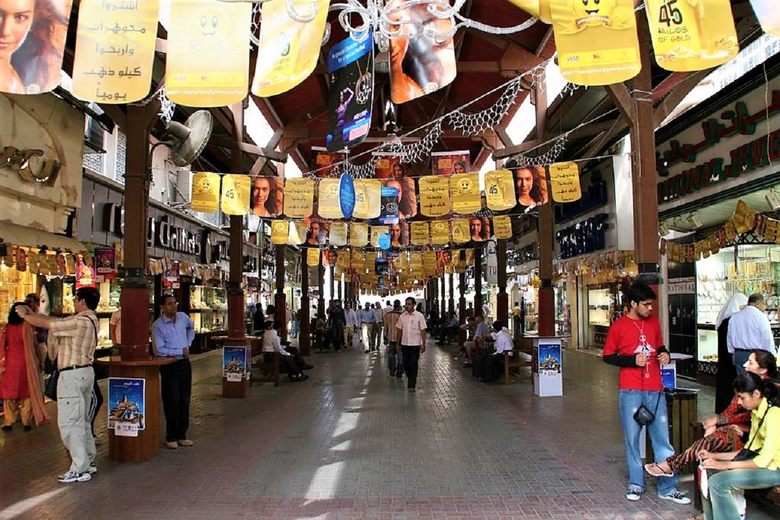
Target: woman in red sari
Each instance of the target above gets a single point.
(20, 386)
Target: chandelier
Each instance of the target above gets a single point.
(384, 19)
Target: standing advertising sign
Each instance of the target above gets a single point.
(548, 367)
(234, 364)
(351, 84)
(126, 405)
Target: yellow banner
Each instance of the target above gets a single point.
(114, 51)
(421, 233)
(235, 194)
(460, 230)
(338, 234)
(416, 260)
(469, 257)
(597, 43)
(298, 231)
(376, 232)
(368, 198)
(500, 190)
(205, 192)
(356, 260)
(288, 50)
(502, 227)
(312, 256)
(280, 231)
(440, 232)
(464, 188)
(344, 258)
(565, 182)
(358, 234)
(691, 35)
(402, 262)
(298, 198)
(434, 196)
(207, 64)
(328, 205)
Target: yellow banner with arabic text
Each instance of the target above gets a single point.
(502, 227)
(565, 182)
(421, 233)
(313, 256)
(298, 198)
(434, 196)
(358, 234)
(338, 234)
(298, 232)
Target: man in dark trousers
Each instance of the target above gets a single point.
(411, 326)
(337, 320)
(172, 335)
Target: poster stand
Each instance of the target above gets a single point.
(548, 367)
(236, 366)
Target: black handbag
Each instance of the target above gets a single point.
(746, 453)
(50, 390)
(643, 416)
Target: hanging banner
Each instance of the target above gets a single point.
(288, 50)
(768, 16)
(344, 259)
(565, 182)
(388, 167)
(479, 229)
(207, 64)
(502, 227)
(346, 195)
(447, 163)
(328, 205)
(267, 197)
(235, 194)
(317, 233)
(338, 234)
(368, 199)
(531, 186)
(105, 263)
(312, 256)
(376, 232)
(102, 72)
(419, 64)
(329, 257)
(351, 87)
(358, 234)
(460, 230)
(326, 164)
(205, 192)
(298, 232)
(406, 198)
(280, 231)
(388, 212)
(440, 232)
(399, 235)
(33, 38)
(421, 233)
(464, 189)
(435, 196)
(691, 36)
(357, 261)
(597, 42)
(500, 190)
(298, 198)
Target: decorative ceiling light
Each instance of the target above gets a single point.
(358, 18)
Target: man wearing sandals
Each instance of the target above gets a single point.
(635, 344)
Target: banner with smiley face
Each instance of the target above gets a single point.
(596, 39)
(464, 190)
(207, 64)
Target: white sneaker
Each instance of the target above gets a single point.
(74, 476)
(634, 494)
(676, 497)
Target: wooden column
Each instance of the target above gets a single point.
(332, 283)
(320, 286)
(502, 298)
(443, 300)
(280, 300)
(451, 301)
(234, 290)
(462, 307)
(304, 343)
(478, 282)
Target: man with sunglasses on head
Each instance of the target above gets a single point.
(635, 344)
(411, 325)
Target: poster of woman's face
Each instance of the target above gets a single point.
(531, 186)
(267, 198)
(407, 196)
(389, 168)
(447, 163)
(479, 227)
(32, 39)
(317, 234)
(399, 235)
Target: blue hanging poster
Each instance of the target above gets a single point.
(351, 85)
(347, 195)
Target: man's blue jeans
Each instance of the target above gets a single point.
(721, 503)
(658, 431)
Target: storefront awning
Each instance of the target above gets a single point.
(14, 234)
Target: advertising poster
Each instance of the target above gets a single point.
(549, 359)
(499, 190)
(565, 182)
(351, 85)
(406, 195)
(235, 366)
(399, 235)
(531, 186)
(669, 375)
(317, 232)
(419, 64)
(326, 164)
(205, 192)
(388, 167)
(267, 197)
(465, 193)
(85, 272)
(299, 198)
(389, 205)
(114, 50)
(434, 196)
(35, 54)
(171, 274)
(328, 203)
(447, 163)
(368, 199)
(105, 263)
(126, 405)
(479, 229)
(207, 63)
(548, 368)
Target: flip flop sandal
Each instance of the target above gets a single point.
(658, 472)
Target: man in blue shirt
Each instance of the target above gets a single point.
(172, 335)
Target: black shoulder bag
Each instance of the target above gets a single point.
(643, 416)
(746, 453)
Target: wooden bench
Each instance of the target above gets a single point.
(515, 361)
(265, 371)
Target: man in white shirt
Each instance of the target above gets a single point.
(352, 325)
(412, 326)
(749, 329)
(366, 317)
(273, 343)
(493, 364)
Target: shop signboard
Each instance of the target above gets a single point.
(548, 367)
(685, 285)
(126, 405)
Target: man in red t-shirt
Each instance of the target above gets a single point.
(635, 344)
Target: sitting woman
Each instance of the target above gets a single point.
(272, 343)
(722, 432)
(757, 466)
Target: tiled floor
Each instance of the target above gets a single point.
(351, 442)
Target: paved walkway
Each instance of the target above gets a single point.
(352, 443)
